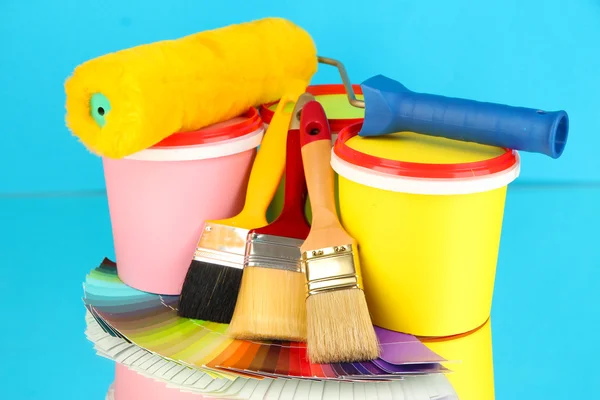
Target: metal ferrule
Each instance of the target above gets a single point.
(270, 251)
(331, 268)
(223, 245)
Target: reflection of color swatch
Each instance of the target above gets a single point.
(151, 322)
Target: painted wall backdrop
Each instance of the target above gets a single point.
(533, 53)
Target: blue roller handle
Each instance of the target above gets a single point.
(391, 107)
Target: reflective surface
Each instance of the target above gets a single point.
(545, 303)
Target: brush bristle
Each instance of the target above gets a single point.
(209, 292)
(340, 328)
(271, 306)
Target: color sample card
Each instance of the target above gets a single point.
(150, 322)
(191, 380)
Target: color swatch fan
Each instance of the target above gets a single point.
(191, 380)
(143, 331)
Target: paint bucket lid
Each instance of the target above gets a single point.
(236, 127)
(407, 161)
(222, 139)
(333, 98)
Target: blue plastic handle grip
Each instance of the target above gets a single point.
(391, 107)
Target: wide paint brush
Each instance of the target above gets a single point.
(271, 301)
(211, 286)
(339, 327)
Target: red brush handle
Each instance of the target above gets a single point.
(292, 221)
(314, 124)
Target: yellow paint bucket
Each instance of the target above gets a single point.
(340, 114)
(427, 214)
(470, 359)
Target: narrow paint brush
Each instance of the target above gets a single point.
(271, 302)
(211, 285)
(339, 327)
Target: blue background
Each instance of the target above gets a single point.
(541, 54)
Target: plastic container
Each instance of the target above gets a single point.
(160, 197)
(470, 360)
(427, 213)
(130, 385)
(340, 115)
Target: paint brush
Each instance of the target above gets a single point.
(339, 327)
(211, 285)
(271, 301)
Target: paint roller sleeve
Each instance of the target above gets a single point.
(151, 91)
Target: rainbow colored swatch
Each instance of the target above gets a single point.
(151, 322)
(190, 380)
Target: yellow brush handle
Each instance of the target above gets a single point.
(267, 170)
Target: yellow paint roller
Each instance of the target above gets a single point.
(126, 101)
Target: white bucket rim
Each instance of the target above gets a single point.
(425, 186)
(202, 151)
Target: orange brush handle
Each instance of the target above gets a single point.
(315, 138)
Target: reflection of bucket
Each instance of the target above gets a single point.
(129, 385)
(160, 197)
(340, 114)
(471, 361)
(428, 226)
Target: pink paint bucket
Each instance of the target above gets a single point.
(160, 197)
